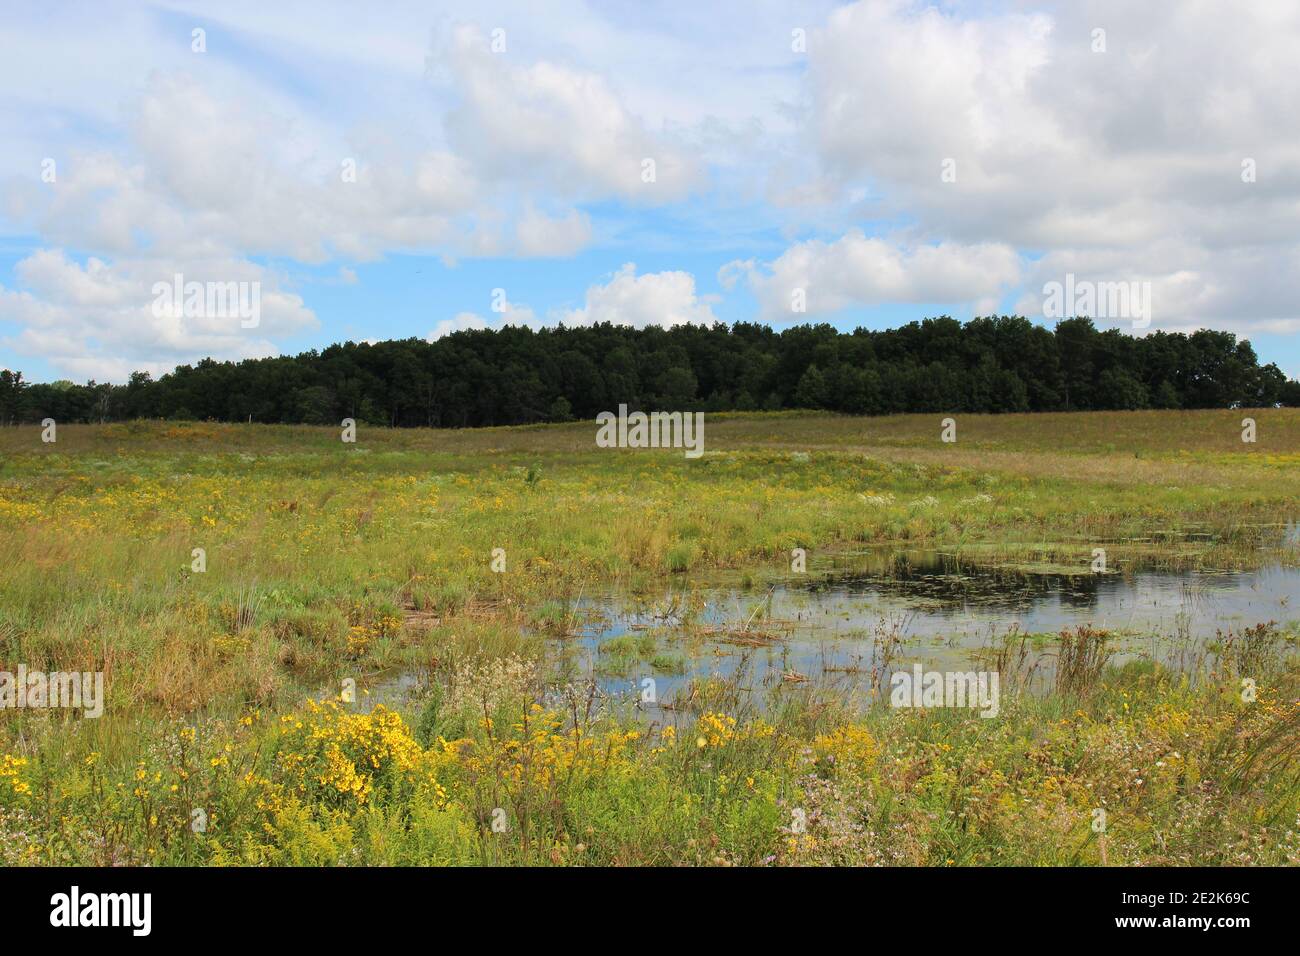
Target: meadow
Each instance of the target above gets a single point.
(234, 582)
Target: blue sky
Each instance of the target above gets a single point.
(379, 175)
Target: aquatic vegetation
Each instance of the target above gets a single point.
(1080, 659)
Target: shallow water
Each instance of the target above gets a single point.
(943, 612)
(823, 627)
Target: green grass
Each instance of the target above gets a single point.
(327, 562)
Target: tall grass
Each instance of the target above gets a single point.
(328, 562)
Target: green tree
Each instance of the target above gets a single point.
(811, 391)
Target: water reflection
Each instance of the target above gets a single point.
(828, 626)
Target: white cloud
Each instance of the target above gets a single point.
(550, 124)
(461, 322)
(210, 171)
(210, 168)
(656, 298)
(857, 270)
(1241, 288)
(510, 315)
(1082, 156)
(542, 236)
(208, 176)
(100, 320)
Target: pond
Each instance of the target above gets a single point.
(929, 607)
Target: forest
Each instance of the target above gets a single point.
(518, 375)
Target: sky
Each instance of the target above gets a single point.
(389, 170)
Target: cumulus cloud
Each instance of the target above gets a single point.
(508, 315)
(205, 170)
(665, 299)
(208, 176)
(857, 270)
(548, 123)
(656, 298)
(543, 236)
(1243, 287)
(1084, 154)
(461, 322)
(105, 320)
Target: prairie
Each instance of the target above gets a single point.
(233, 583)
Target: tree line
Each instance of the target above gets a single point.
(520, 375)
